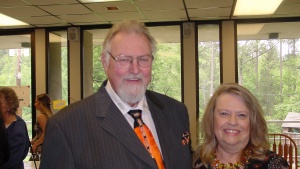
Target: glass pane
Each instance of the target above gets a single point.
(93, 72)
(15, 71)
(166, 73)
(209, 63)
(269, 66)
(58, 66)
(166, 68)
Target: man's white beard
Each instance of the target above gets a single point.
(131, 93)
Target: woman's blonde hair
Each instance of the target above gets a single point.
(258, 141)
(45, 101)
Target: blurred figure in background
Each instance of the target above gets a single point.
(42, 104)
(15, 128)
(4, 146)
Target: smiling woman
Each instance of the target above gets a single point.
(235, 133)
(231, 121)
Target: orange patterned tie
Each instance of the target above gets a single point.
(145, 135)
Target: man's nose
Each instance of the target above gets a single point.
(134, 66)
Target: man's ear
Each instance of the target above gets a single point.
(104, 62)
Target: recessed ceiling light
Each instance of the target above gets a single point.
(9, 21)
(110, 8)
(256, 7)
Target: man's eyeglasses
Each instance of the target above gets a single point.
(124, 61)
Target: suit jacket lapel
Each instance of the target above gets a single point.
(116, 124)
(161, 124)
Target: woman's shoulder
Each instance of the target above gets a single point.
(17, 127)
(42, 116)
(276, 159)
(20, 123)
(199, 165)
(272, 160)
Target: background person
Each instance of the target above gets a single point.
(42, 104)
(235, 133)
(15, 128)
(4, 146)
(97, 132)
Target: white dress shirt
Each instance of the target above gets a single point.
(124, 108)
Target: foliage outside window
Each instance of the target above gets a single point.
(98, 70)
(208, 63)
(166, 74)
(270, 70)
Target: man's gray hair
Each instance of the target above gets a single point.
(127, 26)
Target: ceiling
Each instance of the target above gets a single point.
(52, 13)
(70, 13)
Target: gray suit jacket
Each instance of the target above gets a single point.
(93, 134)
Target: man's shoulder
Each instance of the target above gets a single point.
(152, 95)
(163, 101)
(82, 106)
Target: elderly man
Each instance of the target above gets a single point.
(123, 125)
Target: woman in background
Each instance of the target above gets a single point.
(15, 128)
(42, 104)
(235, 133)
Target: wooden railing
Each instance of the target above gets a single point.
(286, 147)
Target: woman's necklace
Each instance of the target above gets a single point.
(237, 165)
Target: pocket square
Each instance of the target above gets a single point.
(185, 139)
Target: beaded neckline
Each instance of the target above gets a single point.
(237, 165)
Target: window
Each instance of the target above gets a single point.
(166, 73)
(93, 72)
(269, 66)
(58, 66)
(208, 63)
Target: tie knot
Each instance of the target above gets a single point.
(135, 114)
